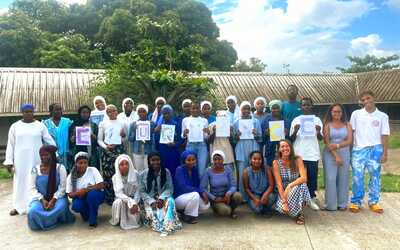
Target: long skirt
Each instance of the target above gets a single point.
(41, 219)
(122, 215)
(107, 160)
(298, 197)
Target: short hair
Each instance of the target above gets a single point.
(292, 86)
(366, 92)
(306, 98)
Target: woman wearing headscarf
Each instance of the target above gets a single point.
(83, 120)
(110, 138)
(245, 146)
(25, 138)
(169, 152)
(190, 198)
(156, 116)
(206, 107)
(232, 108)
(260, 114)
(275, 115)
(156, 190)
(222, 185)
(99, 113)
(85, 187)
(141, 148)
(49, 205)
(127, 117)
(58, 128)
(125, 209)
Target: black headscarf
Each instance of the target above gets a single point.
(52, 181)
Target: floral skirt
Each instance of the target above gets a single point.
(107, 162)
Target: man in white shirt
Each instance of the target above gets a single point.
(371, 132)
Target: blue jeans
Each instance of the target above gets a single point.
(370, 158)
(200, 148)
(88, 206)
(263, 209)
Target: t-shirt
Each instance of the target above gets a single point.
(92, 176)
(194, 123)
(306, 146)
(291, 110)
(369, 127)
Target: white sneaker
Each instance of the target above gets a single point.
(313, 204)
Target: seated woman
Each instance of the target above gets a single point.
(125, 208)
(259, 184)
(156, 190)
(290, 178)
(223, 195)
(49, 206)
(189, 196)
(85, 186)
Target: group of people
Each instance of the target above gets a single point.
(125, 161)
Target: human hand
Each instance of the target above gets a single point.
(134, 209)
(157, 129)
(339, 161)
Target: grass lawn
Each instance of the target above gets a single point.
(4, 174)
(390, 183)
(394, 141)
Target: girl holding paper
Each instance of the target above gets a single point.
(233, 108)
(205, 107)
(127, 117)
(110, 138)
(272, 143)
(141, 147)
(195, 131)
(247, 133)
(306, 132)
(99, 113)
(83, 120)
(156, 115)
(169, 151)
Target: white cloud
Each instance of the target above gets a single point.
(394, 4)
(72, 1)
(308, 35)
(3, 11)
(369, 45)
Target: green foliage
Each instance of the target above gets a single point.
(181, 33)
(369, 63)
(394, 141)
(254, 65)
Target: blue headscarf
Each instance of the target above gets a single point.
(168, 108)
(185, 154)
(27, 106)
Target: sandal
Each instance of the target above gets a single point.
(354, 208)
(300, 220)
(189, 219)
(234, 216)
(13, 212)
(342, 209)
(376, 208)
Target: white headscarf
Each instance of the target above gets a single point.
(119, 180)
(142, 106)
(218, 152)
(205, 103)
(96, 98)
(260, 98)
(186, 101)
(237, 109)
(155, 113)
(80, 154)
(125, 101)
(244, 104)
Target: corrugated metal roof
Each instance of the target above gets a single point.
(42, 86)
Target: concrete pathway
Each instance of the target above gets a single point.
(323, 230)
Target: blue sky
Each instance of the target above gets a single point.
(310, 35)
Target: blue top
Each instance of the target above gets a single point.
(290, 111)
(142, 147)
(220, 183)
(258, 181)
(211, 119)
(59, 133)
(185, 183)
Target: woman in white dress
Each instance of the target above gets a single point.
(25, 138)
(125, 208)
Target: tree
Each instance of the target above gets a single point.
(254, 65)
(369, 63)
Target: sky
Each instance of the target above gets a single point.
(309, 35)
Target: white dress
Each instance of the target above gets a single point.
(24, 142)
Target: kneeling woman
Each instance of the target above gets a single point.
(259, 184)
(49, 206)
(125, 208)
(189, 196)
(85, 186)
(291, 181)
(156, 190)
(223, 195)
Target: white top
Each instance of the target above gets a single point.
(36, 195)
(109, 131)
(127, 120)
(369, 127)
(307, 147)
(192, 122)
(91, 177)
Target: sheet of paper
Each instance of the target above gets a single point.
(82, 136)
(113, 133)
(96, 117)
(223, 128)
(276, 130)
(167, 134)
(195, 132)
(246, 129)
(143, 130)
(307, 125)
